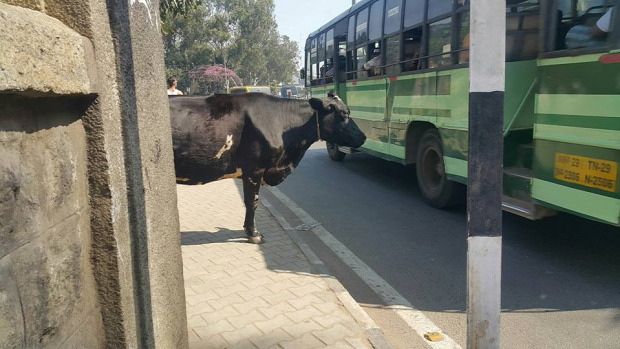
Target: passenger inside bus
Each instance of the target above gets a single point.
(373, 66)
(583, 35)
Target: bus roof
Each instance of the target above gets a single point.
(341, 16)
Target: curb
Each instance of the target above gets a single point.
(374, 334)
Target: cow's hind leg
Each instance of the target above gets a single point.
(251, 186)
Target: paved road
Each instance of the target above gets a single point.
(561, 276)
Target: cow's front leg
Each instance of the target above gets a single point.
(251, 186)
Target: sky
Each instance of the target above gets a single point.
(298, 18)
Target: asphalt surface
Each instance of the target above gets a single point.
(560, 276)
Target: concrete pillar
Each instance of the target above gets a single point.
(484, 177)
(89, 242)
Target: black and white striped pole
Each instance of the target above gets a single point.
(484, 190)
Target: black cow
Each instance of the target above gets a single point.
(256, 137)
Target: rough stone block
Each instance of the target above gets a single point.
(76, 14)
(11, 319)
(42, 167)
(37, 5)
(40, 54)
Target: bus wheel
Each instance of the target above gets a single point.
(334, 153)
(433, 182)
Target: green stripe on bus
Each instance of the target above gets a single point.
(569, 60)
(592, 137)
(379, 110)
(423, 112)
(455, 167)
(376, 87)
(579, 121)
(589, 105)
(598, 206)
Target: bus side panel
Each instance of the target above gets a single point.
(577, 137)
(452, 120)
(366, 100)
(410, 98)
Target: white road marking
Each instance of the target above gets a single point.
(414, 318)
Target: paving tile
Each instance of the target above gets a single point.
(307, 301)
(303, 314)
(275, 310)
(333, 334)
(215, 342)
(246, 333)
(271, 339)
(308, 341)
(246, 318)
(221, 314)
(270, 325)
(246, 344)
(208, 331)
(221, 302)
(279, 297)
(300, 329)
(253, 303)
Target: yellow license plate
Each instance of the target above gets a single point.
(594, 173)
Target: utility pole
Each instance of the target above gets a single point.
(484, 190)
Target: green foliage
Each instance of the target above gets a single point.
(171, 8)
(241, 34)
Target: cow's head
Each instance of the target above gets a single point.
(335, 125)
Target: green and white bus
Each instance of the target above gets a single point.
(562, 98)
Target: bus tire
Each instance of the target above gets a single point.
(334, 153)
(433, 182)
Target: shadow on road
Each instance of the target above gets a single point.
(561, 263)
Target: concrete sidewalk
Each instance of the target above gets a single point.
(241, 295)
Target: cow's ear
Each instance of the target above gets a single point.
(317, 104)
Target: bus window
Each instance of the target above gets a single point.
(392, 55)
(439, 43)
(413, 48)
(588, 27)
(321, 47)
(361, 31)
(351, 32)
(438, 8)
(330, 43)
(392, 16)
(376, 21)
(414, 12)
(522, 32)
(463, 53)
(308, 70)
(342, 61)
(360, 58)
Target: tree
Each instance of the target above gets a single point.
(240, 34)
(172, 8)
(213, 78)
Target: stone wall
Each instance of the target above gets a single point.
(89, 238)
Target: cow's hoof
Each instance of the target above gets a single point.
(255, 239)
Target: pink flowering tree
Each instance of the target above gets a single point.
(213, 78)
